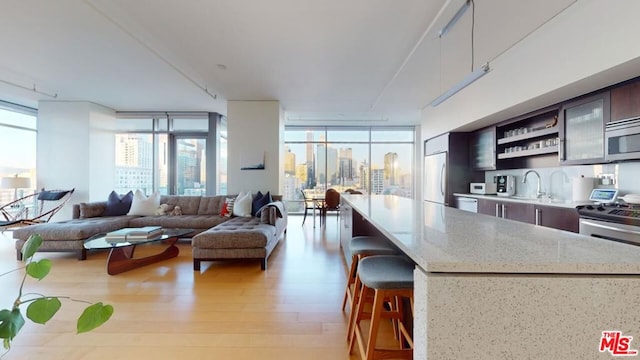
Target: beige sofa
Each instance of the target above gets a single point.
(251, 237)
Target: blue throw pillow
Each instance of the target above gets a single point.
(259, 201)
(118, 205)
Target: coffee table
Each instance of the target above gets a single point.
(121, 253)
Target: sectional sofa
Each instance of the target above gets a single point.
(214, 236)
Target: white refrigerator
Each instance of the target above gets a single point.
(435, 178)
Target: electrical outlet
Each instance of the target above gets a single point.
(606, 179)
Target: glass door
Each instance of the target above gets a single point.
(190, 176)
(582, 129)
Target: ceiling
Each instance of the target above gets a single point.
(327, 61)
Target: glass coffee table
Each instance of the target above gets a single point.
(121, 253)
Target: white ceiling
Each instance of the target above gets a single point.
(331, 60)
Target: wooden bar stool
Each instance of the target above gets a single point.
(361, 247)
(384, 278)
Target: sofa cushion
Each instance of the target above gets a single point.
(91, 210)
(189, 205)
(76, 229)
(211, 205)
(182, 221)
(118, 205)
(143, 205)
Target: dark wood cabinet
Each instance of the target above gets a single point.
(489, 207)
(550, 216)
(522, 212)
(625, 101)
(558, 218)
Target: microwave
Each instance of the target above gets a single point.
(622, 140)
(482, 188)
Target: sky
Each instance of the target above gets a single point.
(17, 146)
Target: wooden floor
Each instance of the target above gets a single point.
(228, 310)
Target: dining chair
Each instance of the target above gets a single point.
(308, 205)
(331, 203)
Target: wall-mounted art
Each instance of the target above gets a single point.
(252, 161)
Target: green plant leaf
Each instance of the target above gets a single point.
(42, 310)
(94, 316)
(10, 324)
(39, 269)
(31, 246)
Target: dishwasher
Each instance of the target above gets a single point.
(467, 204)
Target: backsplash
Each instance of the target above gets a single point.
(558, 181)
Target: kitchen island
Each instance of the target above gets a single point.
(491, 288)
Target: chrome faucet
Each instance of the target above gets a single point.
(539, 191)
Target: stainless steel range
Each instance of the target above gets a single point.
(618, 222)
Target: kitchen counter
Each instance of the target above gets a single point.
(444, 239)
(521, 199)
(492, 288)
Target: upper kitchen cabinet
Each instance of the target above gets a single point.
(483, 149)
(625, 101)
(582, 129)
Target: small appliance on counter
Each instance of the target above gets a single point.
(505, 185)
(482, 188)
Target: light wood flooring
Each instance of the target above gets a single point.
(229, 310)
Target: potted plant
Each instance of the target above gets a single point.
(41, 308)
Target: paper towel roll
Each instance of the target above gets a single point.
(582, 187)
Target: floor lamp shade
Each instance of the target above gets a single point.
(15, 183)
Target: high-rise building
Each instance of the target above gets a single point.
(134, 163)
(391, 168)
(302, 173)
(377, 181)
(363, 171)
(311, 163)
(345, 167)
(289, 162)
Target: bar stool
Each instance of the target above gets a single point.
(361, 247)
(384, 278)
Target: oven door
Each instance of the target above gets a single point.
(611, 231)
(622, 140)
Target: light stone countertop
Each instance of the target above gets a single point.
(444, 239)
(544, 202)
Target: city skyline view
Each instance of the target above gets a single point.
(313, 164)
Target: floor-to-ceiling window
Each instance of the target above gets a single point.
(18, 149)
(369, 159)
(166, 152)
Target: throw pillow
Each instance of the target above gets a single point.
(242, 205)
(143, 205)
(259, 202)
(118, 205)
(89, 211)
(225, 209)
(229, 203)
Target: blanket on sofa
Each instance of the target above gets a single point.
(278, 205)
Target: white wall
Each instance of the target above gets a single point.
(75, 150)
(255, 127)
(587, 47)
